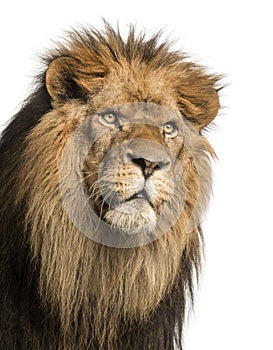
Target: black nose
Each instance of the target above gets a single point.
(148, 167)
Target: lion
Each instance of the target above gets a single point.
(105, 174)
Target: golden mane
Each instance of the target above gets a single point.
(60, 289)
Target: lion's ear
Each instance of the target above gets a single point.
(199, 101)
(61, 79)
(210, 109)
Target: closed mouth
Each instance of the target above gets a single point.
(139, 195)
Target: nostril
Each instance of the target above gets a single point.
(140, 162)
(163, 165)
(130, 156)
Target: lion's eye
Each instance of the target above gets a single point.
(170, 129)
(109, 118)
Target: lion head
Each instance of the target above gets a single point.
(112, 180)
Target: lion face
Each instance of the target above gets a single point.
(133, 177)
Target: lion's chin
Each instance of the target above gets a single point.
(133, 217)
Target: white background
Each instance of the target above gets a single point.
(234, 304)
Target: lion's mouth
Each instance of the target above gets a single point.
(139, 195)
(133, 214)
(135, 200)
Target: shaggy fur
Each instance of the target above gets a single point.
(59, 289)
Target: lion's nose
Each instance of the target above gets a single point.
(148, 155)
(149, 166)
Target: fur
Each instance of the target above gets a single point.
(59, 289)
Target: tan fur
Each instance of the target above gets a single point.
(78, 275)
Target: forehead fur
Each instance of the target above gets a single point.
(110, 70)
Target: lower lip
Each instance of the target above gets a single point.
(139, 202)
(139, 196)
